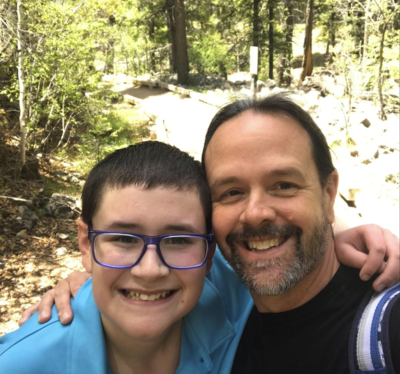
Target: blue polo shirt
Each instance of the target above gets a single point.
(210, 334)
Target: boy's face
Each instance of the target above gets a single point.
(158, 211)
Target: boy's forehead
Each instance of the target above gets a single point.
(141, 204)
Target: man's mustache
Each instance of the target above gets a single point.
(266, 230)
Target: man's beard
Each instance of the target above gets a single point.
(285, 271)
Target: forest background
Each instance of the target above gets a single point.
(58, 116)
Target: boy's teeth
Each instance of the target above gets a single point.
(262, 245)
(140, 296)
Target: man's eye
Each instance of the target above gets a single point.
(285, 186)
(232, 193)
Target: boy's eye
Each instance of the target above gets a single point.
(125, 239)
(176, 241)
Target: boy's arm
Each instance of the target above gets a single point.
(381, 244)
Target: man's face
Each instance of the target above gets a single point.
(270, 215)
(151, 212)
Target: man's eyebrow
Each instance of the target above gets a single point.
(286, 171)
(289, 171)
(223, 181)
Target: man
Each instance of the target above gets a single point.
(273, 187)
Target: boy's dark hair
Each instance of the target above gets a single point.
(279, 103)
(147, 165)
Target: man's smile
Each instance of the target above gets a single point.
(263, 244)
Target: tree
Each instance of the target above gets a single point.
(21, 79)
(307, 46)
(177, 22)
(285, 56)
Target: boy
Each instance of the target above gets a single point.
(145, 237)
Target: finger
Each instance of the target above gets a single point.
(391, 273)
(62, 298)
(45, 305)
(27, 313)
(375, 242)
(76, 279)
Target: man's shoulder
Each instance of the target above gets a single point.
(36, 348)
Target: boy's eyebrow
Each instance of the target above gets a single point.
(120, 225)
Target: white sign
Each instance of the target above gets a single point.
(254, 60)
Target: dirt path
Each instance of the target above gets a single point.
(181, 121)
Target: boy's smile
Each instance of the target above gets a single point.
(149, 300)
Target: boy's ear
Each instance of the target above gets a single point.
(84, 245)
(211, 253)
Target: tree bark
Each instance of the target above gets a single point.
(181, 57)
(380, 78)
(307, 46)
(21, 79)
(151, 38)
(366, 31)
(171, 36)
(285, 57)
(271, 38)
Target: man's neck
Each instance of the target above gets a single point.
(303, 291)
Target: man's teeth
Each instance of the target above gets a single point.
(262, 245)
(140, 296)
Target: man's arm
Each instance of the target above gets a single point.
(364, 247)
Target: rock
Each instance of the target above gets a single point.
(73, 179)
(59, 173)
(376, 155)
(27, 214)
(61, 251)
(30, 170)
(62, 207)
(269, 83)
(22, 234)
(62, 236)
(366, 122)
(354, 153)
(240, 79)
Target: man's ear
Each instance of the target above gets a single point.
(331, 190)
(84, 246)
(211, 253)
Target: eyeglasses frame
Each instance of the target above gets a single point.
(92, 234)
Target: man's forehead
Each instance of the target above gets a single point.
(241, 132)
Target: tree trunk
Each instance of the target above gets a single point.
(151, 38)
(271, 38)
(171, 36)
(366, 31)
(285, 57)
(256, 23)
(380, 78)
(21, 78)
(307, 46)
(181, 57)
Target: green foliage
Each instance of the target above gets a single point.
(211, 54)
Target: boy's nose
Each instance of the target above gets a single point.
(150, 266)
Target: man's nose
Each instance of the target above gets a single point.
(259, 208)
(150, 266)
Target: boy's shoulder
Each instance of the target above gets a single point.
(54, 348)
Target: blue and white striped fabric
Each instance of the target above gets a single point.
(369, 348)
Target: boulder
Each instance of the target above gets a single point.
(62, 207)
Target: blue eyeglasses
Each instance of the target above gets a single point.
(121, 250)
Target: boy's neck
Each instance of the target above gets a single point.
(151, 356)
